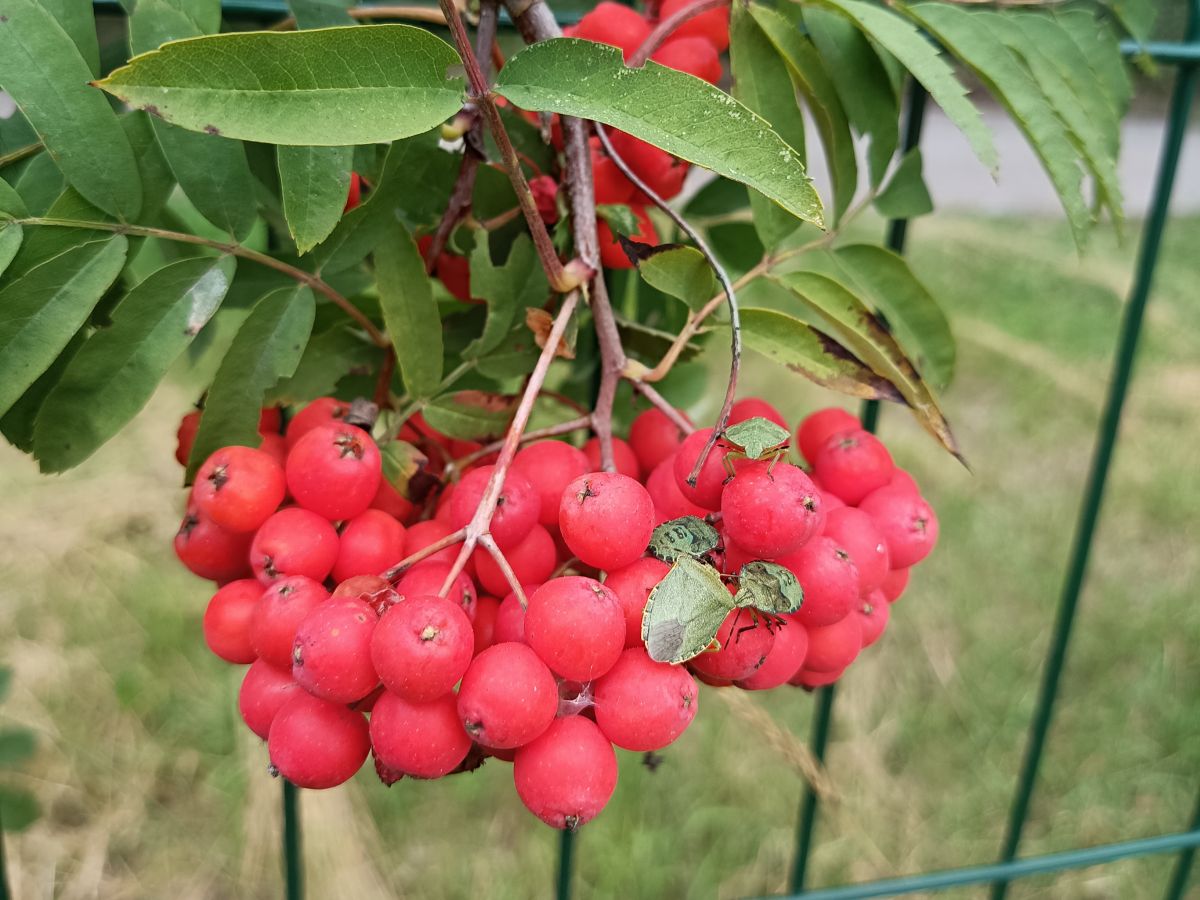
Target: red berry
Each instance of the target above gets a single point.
(322, 411)
(770, 509)
(713, 25)
(317, 744)
(422, 534)
(612, 255)
(390, 500)
(755, 408)
(275, 446)
(545, 195)
(642, 704)
(294, 541)
(612, 187)
(374, 591)
(857, 534)
(662, 172)
(331, 656)
(632, 585)
(354, 194)
(567, 775)
(516, 513)
(614, 24)
(829, 579)
(550, 466)
(873, 615)
(227, 620)
(894, 584)
(421, 648)
(424, 740)
(453, 271)
(606, 519)
(209, 550)
(819, 427)
(653, 438)
(264, 691)
(852, 464)
(901, 480)
(508, 697)
(281, 609)
(427, 578)
(669, 502)
(693, 55)
(334, 470)
(185, 437)
(484, 625)
(370, 543)
(624, 458)
(532, 560)
(746, 642)
(576, 626)
(906, 522)
(808, 679)
(710, 483)
(510, 617)
(784, 660)
(833, 647)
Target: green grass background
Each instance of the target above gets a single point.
(152, 788)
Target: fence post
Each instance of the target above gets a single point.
(914, 119)
(566, 853)
(1089, 513)
(293, 851)
(4, 894)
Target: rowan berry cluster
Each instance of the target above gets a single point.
(348, 655)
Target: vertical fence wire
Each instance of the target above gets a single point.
(566, 859)
(897, 232)
(293, 850)
(4, 895)
(1183, 862)
(1107, 434)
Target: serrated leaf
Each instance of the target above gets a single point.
(117, 370)
(684, 612)
(680, 271)
(470, 415)
(321, 13)
(329, 87)
(266, 348)
(905, 196)
(506, 289)
(405, 468)
(77, 20)
(10, 243)
(40, 311)
(16, 746)
(806, 351)
(857, 328)
(42, 69)
(1098, 43)
(315, 182)
(409, 311)
(685, 536)
(677, 112)
(814, 82)
(327, 358)
(18, 809)
(972, 39)
(768, 587)
(900, 38)
(861, 82)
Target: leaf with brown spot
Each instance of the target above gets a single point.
(540, 322)
(471, 415)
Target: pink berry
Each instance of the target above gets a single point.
(532, 560)
(852, 464)
(642, 704)
(856, 533)
(894, 584)
(624, 458)
(901, 479)
(390, 501)
(239, 488)
(906, 521)
(745, 640)
(614, 24)
(784, 660)
(828, 578)
(576, 626)
(317, 744)
(427, 578)
(420, 535)
(833, 647)
(264, 691)
(483, 627)
(606, 519)
(693, 55)
(755, 408)
(770, 510)
(227, 620)
(370, 543)
(508, 697)
(510, 617)
(322, 411)
(421, 648)
(669, 502)
(567, 775)
(632, 585)
(819, 427)
(550, 466)
(208, 550)
(284, 605)
(653, 438)
(294, 541)
(331, 656)
(424, 740)
(516, 512)
(873, 615)
(710, 483)
(334, 470)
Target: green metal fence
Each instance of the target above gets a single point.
(1184, 56)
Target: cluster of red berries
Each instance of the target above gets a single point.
(433, 674)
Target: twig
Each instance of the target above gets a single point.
(535, 435)
(667, 26)
(424, 553)
(660, 402)
(488, 543)
(429, 14)
(383, 382)
(306, 278)
(21, 153)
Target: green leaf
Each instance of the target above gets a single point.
(409, 312)
(973, 40)
(516, 355)
(16, 746)
(769, 587)
(43, 71)
(684, 611)
(507, 289)
(315, 182)
(677, 112)
(115, 373)
(40, 311)
(1098, 43)
(470, 415)
(905, 196)
(321, 13)
(10, 243)
(330, 87)
(18, 423)
(11, 204)
(1137, 16)
(761, 80)
(862, 84)
(405, 468)
(77, 20)
(18, 809)
(683, 272)
(266, 348)
(157, 178)
(925, 62)
(40, 183)
(857, 328)
(328, 358)
(685, 536)
(913, 315)
(813, 81)
(45, 242)
(806, 351)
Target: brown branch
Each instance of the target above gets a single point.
(667, 26)
(424, 553)
(488, 543)
(383, 382)
(537, 434)
(660, 402)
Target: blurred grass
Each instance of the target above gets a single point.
(153, 789)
